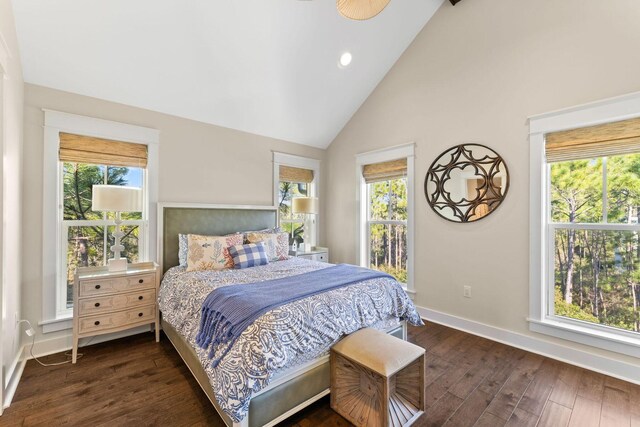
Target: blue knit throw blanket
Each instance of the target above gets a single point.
(229, 310)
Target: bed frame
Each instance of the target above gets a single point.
(289, 391)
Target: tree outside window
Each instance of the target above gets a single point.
(290, 222)
(387, 224)
(87, 243)
(594, 228)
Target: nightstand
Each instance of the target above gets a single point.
(316, 254)
(106, 302)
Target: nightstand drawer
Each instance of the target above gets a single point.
(322, 257)
(116, 284)
(95, 305)
(120, 319)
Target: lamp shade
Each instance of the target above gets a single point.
(116, 198)
(361, 9)
(305, 205)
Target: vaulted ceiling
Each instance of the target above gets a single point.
(268, 67)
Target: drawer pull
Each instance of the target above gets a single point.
(97, 286)
(141, 281)
(140, 297)
(97, 304)
(139, 314)
(97, 322)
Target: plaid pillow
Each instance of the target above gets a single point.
(249, 255)
(276, 244)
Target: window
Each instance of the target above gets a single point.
(594, 229)
(78, 153)
(86, 235)
(385, 217)
(585, 265)
(387, 225)
(295, 177)
(594, 176)
(293, 182)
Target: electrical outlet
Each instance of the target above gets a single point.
(467, 292)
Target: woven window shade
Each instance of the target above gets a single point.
(386, 170)
(98, 151)
(609, 139)
(291, 174)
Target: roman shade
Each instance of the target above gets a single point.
(98, 151)
(383, 171)
(291, 174)
(609, 139)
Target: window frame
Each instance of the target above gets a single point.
(283, 159)
(362, 199)
(542, 262)
(55, 318)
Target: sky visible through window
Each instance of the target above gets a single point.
(134, 177)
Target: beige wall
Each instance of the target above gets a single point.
(199, 163)
(474, 74)
(10, 202)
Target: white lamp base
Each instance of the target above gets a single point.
(119, 264)
(307, 247)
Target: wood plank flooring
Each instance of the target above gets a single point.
(471, 381)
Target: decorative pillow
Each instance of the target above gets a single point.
(249, 255)
(265, 231)
(276, 244)
(211, 252)
(183, 249)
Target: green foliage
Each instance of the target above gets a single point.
(86, 244)
(287, 192)
(388, 242)
(604, 285)
(570, 310)
(399, 273)
(576, 191)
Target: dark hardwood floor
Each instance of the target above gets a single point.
(470, 381)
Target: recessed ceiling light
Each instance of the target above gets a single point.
(345, 59)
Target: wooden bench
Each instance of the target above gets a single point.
(377, 379)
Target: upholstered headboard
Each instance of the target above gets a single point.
(212, 220)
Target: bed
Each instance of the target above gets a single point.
(280, 364)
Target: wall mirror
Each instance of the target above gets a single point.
(466, 183)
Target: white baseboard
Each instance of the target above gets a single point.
(615, 368)
(14, 374)
(64, 343)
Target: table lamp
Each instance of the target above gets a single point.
(116, 198)
(307, 206)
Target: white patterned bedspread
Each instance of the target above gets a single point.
(283, 337)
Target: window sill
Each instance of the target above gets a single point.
(54, 325)
(621, 342)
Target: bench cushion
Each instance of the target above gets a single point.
(378, 351)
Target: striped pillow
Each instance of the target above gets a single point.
(249, 255)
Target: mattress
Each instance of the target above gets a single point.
(284, 337)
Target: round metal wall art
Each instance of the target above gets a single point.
(466, 183)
